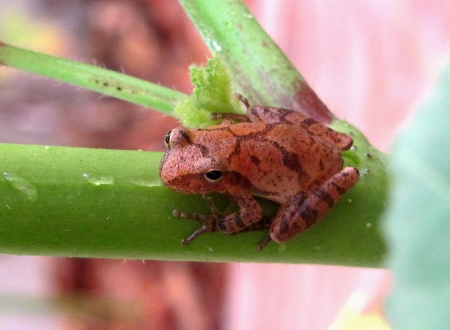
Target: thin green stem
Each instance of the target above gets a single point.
(91, 77)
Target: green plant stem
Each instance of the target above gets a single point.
(78, 202)
(258, 67)
(91, 77)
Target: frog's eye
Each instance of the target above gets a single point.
(213, 176)
(167, 140)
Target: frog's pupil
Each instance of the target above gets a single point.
(167, 139)
(214, 175)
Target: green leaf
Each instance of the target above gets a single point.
(213, 93)
(417, 221)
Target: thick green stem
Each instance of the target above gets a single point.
(259, 69)
(108, 203)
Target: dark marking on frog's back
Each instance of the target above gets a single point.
(204, 150)
(255, 160)
(306, 123)
(290, 160)
(321, 165)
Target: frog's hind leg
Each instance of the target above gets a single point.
(271, 115)
(304, 211)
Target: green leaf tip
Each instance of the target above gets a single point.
(213, 93)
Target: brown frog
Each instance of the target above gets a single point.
(275, 153)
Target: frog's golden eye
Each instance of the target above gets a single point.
(167, 140)
(213, 176)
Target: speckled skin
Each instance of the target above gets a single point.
(275, 153)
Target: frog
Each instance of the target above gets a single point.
(274, 153)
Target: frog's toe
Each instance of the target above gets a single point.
(201, 230)
(263, 243)
(187, 215)
(177, 213)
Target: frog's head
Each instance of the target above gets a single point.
(188, 167)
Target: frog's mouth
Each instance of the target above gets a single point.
(190, 184)
(163, 161)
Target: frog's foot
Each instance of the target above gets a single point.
(228, 117)
(263, 224)
(203, 229)
(226, 222)
(213, 207)
(262, 244)
(211, 222)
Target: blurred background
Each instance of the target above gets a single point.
(369, 61)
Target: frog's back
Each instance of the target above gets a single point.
(281, 159)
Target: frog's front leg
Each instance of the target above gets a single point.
(250, 213)
(304, 210)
